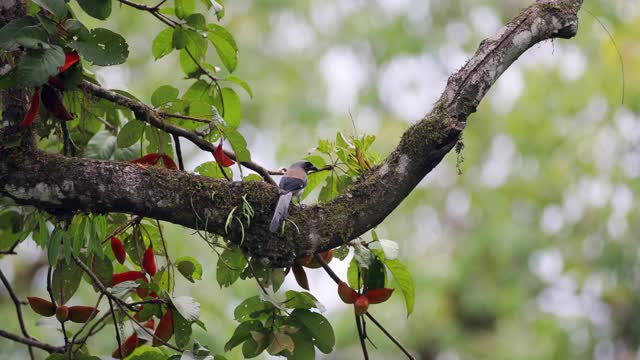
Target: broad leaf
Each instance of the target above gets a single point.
(103, 47)
(162, 44)
(232, 107)
(130, 133)
(230, 264)
(225, 46)
(189, 267)
(65, 281)
(163, 95)
(56, 7)
(99, 9)
(319, 328)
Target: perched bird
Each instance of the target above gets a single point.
(292, 183)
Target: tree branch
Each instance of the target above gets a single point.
(32, 342)
(156, 119)
(57, 183)
(16, 303)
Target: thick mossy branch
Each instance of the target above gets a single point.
(60, 184)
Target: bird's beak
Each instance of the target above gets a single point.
(313, 169)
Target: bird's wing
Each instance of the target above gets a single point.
(291, 184)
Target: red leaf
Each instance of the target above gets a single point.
(33, 108)
(127, 276)
(149, 261)
(70, 59)
(168, 162)
(300, 275)
(149, 159)
(164, 331)
(127, 347)
(377, 296)
(118, 249)
(41, 306)
(346, 293)
(150, 324)
(221, 157)
(82, 314)
(52, 101)
(361, 305)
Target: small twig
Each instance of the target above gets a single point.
(53, 301)
(95, 311)
(166, 254)
(176, 142)
(16, 302)
(398, 344)
(123, 227)
(326, 268)
(115, 326)
(256, 277)
(361, 336)
(68, 147)
(32, 342)
(185, 117)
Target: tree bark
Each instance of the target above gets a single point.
(62, 184)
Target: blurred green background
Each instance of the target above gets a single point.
(530, 253)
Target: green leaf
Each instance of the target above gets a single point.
(130, 133)
(53, 250)
(301, 300)
(38, 65)
(200, 90)
(162, 44)
(212, 170)
(341, 252)
(197, 21)
(238, 143)
(375, 276)
(225, 46)
(103, 47)
(188, 66)
(163, 95)
(99, 9)
(352, 274)
(146, 353)
(330, 190)
(232, 107)
(102, 267)
(277, 275)
(56, 7)
(189, 267)
(180, 39)
(304, 348)
(249, 308)
(9, 34)
(242, 83)
(402, 275)
(313, 180)
(318, 327)
(242, 333)
(184, 8)
(230, 264)
(101, 146)
(41, 237)
(65, 281)
(182, 330)
(76, 28)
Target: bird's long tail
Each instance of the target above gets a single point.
(282, 211)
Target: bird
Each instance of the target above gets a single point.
(292, 183)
